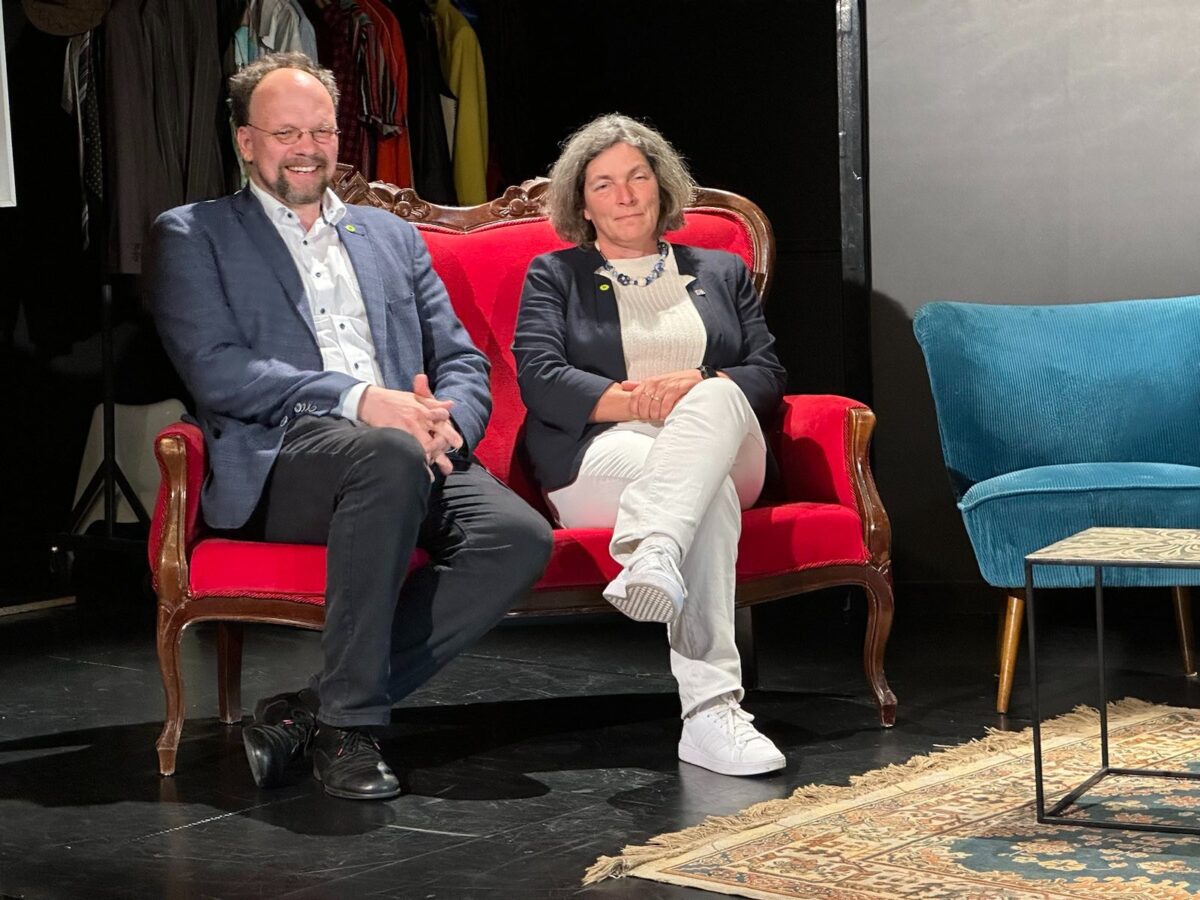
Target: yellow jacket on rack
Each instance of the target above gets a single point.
(462, 67)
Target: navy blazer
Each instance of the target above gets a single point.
(233, 315)
(568, 347)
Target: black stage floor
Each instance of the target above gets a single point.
(549, 744)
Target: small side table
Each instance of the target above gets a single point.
(1142, 548)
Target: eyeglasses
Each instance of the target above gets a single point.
(321, 135)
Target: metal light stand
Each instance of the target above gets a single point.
(108, 476)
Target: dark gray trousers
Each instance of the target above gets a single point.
(366, 494)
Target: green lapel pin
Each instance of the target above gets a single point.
(605, 286)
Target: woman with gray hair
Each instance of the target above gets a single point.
(645, 368)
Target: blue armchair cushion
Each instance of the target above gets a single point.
(1014, 514)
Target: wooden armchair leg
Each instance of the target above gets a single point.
(881, 606)
(229, 671)
(1010, 642)
(743, 636)
(1182, 597)
(170, 634)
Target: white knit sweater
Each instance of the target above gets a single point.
(661, 331)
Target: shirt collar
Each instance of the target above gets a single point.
(333, 210)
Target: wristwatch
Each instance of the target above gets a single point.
(707, 372)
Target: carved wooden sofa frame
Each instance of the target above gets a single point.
(177, 532)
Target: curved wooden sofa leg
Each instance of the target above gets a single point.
(1010, 643)
(170, 635)
(880, 608)
(229, 671)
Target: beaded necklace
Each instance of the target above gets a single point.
(625, 281)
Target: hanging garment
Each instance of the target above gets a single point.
(462, 66)
(162, 76)
(80, 100)
(275, 26)
(393, 156)
(366, 85)
(308, 35)
(432, 174)
(230, 14)
(335, 25)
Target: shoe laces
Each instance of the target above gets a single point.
(355, 741)
(735, 722)
(300, 717)
(656, 558)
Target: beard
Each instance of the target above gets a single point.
(299, 196)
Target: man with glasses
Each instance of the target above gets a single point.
(339, 398)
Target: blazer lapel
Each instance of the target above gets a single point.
(356, 239)
(266, 238)
(597, 292)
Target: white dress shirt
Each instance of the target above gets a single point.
(334, 297)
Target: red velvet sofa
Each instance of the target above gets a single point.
(829, 529)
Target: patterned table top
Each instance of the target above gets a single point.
(1155, 547)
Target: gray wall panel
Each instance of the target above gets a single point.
(1021, 151)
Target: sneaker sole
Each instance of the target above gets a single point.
(646, 603)
(724, 767)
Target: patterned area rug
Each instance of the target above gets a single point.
(959, 824)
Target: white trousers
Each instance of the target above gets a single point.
(688, 479)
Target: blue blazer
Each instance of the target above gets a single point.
(233, 315)
(568, 347)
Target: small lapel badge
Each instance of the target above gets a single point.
(605, 286)
(700, 292)
(353, 229)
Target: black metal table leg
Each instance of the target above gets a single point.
(1057, 814)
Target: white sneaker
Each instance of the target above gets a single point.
(650, 588)
(722, 739)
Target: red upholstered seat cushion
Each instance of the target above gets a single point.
(775, 540)
(224, 568)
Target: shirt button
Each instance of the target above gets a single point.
(318, 274)
(322, 312)
(306, 243)
(342, 325)
(356, 365)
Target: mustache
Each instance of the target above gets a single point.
(317, 159)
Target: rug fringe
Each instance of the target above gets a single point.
(994, 741)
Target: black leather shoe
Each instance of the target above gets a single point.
(283, 728)
(349, 764)
(297, 705)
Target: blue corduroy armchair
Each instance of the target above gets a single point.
(1057, 418)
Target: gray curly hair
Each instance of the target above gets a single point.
(564, 197)
(243, 82)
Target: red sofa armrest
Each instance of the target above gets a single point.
(822, 445)
(174, 529)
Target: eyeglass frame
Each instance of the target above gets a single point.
(329, 134)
